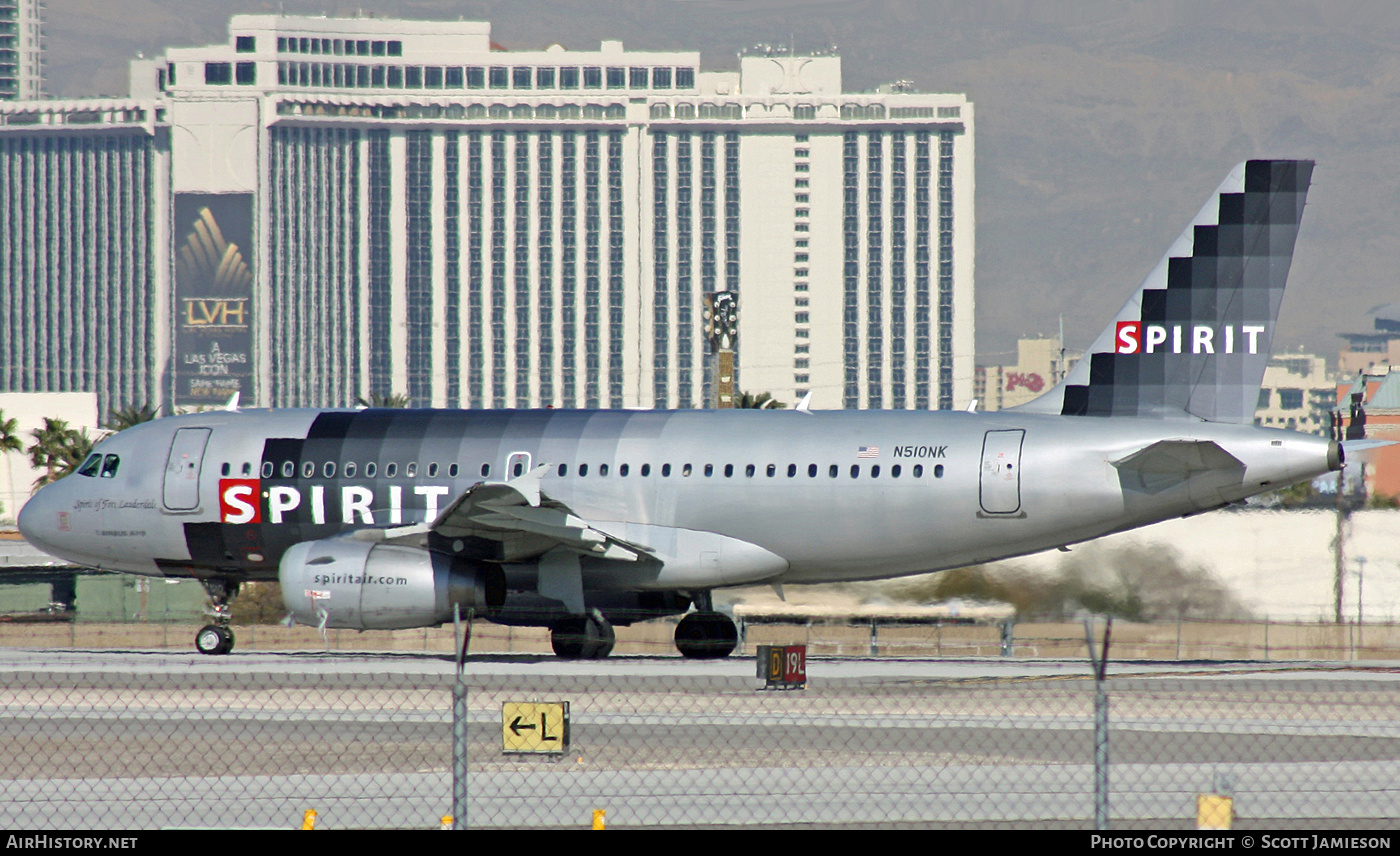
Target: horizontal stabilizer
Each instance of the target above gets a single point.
(1363, 450)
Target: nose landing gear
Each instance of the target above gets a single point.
(217, 638)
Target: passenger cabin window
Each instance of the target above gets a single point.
(391, 470)
(350, 469)
(432, 470)
(267, 469)
(289, 469)
(411, 469)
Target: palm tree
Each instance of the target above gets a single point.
(58, 449)
(9, 435)
(762, 401)
(9, 442)
(120, 420)
(376, 399)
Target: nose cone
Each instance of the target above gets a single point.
(41, 522)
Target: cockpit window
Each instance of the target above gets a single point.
(109, 466)
(90, 466)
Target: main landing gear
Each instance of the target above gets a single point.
(582, 637)
(217, 638)
(706, 634)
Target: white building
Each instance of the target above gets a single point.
(21, 49)
(1041, 363)
(326, 208)
(1298, 393)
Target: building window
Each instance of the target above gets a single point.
(593, 78)
(245, 44)
(218, 73)
(1290, 399)
(521, 76)
(247, 73)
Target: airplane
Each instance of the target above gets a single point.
(582, 520)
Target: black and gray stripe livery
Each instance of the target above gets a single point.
(581, 521)
(1195, 338)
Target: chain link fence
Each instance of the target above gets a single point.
(879, 636)
(377, 751)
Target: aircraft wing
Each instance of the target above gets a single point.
(521, 516)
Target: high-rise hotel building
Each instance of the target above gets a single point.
(322, 209)
(21, 49)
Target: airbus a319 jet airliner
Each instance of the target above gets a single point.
(582, 520)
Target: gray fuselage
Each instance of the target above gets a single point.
(833, 495)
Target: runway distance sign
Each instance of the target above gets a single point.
(533, 727)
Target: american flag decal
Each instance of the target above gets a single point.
(868, 452)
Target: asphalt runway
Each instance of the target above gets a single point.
(143, 739)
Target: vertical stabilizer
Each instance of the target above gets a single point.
(1194, 339)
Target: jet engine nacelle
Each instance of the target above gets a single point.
(362, 585)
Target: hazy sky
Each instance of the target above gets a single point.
(1102, 124)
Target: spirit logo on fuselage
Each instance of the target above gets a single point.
(244, 501)
(1135, 337)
